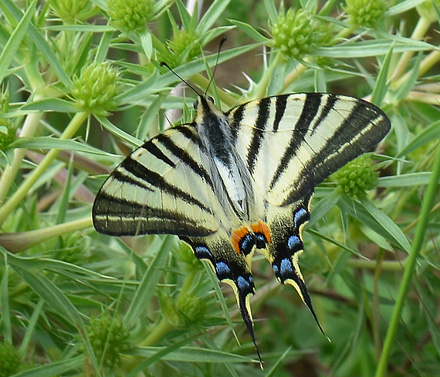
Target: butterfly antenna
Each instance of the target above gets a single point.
(163, 64)
(216, 63)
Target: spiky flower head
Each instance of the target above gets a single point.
(72, 248)
(357, 177)
(10, 360)
(366, 13)
(71, 11)
(299, 32)
(181, 48)
(192, 308)
(108, 338)
(130, 15)
(96, 88)
(186, 310)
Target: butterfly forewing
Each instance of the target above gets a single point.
(162, 187)
(302, 139)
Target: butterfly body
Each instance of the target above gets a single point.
(232, 183)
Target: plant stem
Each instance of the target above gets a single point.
(418, 33)
(15, 242)
(419, 237)
(21, 192)
(157, 334)
(10, 171)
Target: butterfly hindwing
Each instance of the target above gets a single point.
(231, 268)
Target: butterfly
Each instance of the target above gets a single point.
(235, 182)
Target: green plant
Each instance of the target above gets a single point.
(82, 85)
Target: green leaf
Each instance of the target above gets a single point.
(212, 14)
(191, 354)
(405, 180)
(371, 48)
(41, 44)
(117, 131)
(249, 30)
(430, 133)
(408, 84)
(271, 10)
(184, 14)
(382, 84)
(53, 296)
(54, 368)
(221, 298)
(147, 43)
(14, 41)
(378, 221)
(4, 302)
(51, 104)
(148, 285)
(402, 7)
(48, 142)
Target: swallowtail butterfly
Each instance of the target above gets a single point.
(232, 183)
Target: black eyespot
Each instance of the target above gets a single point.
(196, 104)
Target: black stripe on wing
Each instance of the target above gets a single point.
(280, 108)
(159, 181)
(258, 133)
(121, 217)
(183, 155)
(310, 108)
(361, 130)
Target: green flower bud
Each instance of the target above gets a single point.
(184, 311)
(357, 176)
(366, 13)
(182, 48)
(7, 133)
(71, 11)
(130, 15)
(96, 87)
(192, 308)
(73, 248)
(108, 338)
(299, 33)
(10, 360)
(169, 310)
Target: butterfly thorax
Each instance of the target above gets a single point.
(224, 162)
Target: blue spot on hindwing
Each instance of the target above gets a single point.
(294, 243)
(286, 267)
(242, 283)
(223, 270)
(300, 217)
(202, 252)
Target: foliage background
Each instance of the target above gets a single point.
(76, 303)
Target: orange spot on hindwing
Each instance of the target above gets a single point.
(243, 240)
(262, 233)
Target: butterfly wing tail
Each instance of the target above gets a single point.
(231, 268)
(286, 246)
